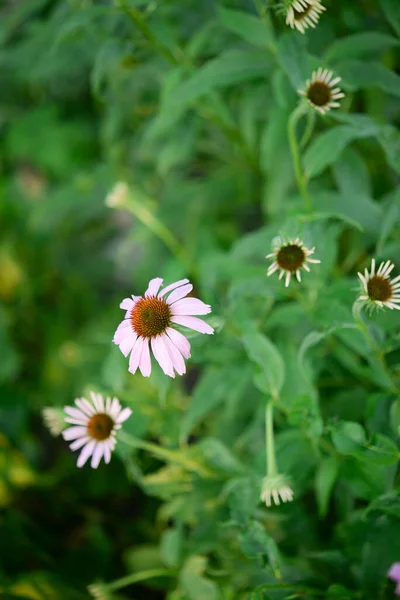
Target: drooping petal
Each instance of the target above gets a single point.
(162, 356)
(193, 323)
(177, 359)
(179, 293)
(180, 341)
(79, 443)
(145, 360)
(127, 344)
(136, 355)
(394, 571)
(83, 422)
(71, 433)
(96, 456)
(190, 306)
(154, 286)
(85, 453)
(107, 453)
(122, 331)
(172, 286)
(127, 304)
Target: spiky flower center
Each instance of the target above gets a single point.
(291, 257)
(379, 288)
(300, 15)
(100, 426)
(319, 93)
(150, 316)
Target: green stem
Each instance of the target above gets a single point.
(296, 115)
(309, 129)
(377, 352)
(269, 439)
(167, 455)
(136, 577)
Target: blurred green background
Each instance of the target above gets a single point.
(187, 101)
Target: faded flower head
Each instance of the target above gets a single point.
(99, 591)
(320, 92)
(149, 321)
(53, 419)
(276, 488)
(289, 258)
(394, 575)
(94, 428)
(378, 290)
(302, 14)
(117, 195)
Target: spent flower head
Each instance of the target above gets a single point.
(149, 322)
(289, 257)
(378, 290)
(276, 488)
(53, 418)
(99, 591)
(321, 91)
(117, 195)
(301, 14)
(94, 427)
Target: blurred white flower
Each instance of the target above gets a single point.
(94, 427)
(289, 258)
(276, 488)
(302, 14)
(117, 196)
(378, 290)
(53, 419)
(321, 92)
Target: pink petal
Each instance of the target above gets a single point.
(180, 341)
(162, 355)
(122, 331)
(79, 443)
(98, 401)
(97, 454)
(172, 286)
(85, 406)
(193, 323)
(85, 453)
(75, 412)
(124, 415)
(74, 432)
(190, 306)
(176, 357)
(145, 360)
(154, 286)
(114, 408)
(181, 292)
(135, 355)
(82, 422)
(394, 571)
(127, 304)
(107, 453)
(398, 589)
(127, 344)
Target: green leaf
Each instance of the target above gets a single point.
(215, 387)
(293, 59)
(360, 75)
(325, 478)
(250, 28)
(217, 456)
(348, 436)
(391, 8)
(171, 546)
(229, 68)
(243, 499)
(194, 583)
(270, 374)
(255, 541)
(360, 44)
(389, 138)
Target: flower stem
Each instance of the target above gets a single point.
(173, 456)
(269, 439)
(136, 577)
(294, 118)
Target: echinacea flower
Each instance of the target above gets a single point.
(321, 92)
(53, 419)
(276, 488)
(378, 289)
(290, 257)
(94, 428)
(302, 14)
(149, 321)
(394, 575)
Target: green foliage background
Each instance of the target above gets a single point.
(188, 101)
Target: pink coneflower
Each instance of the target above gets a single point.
(94, 427)
(394, 575)
(289, 257)
(149, 319)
